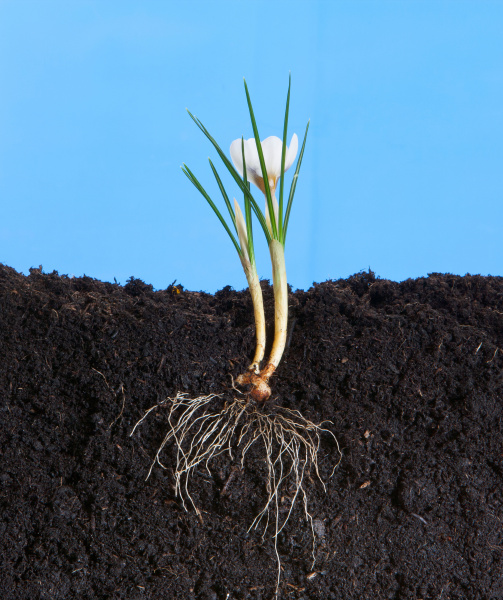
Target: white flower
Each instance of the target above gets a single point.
(272, 148)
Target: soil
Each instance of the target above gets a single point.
(410, 374)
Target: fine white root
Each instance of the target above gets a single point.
(291, 444)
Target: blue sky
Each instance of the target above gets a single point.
(403, 165)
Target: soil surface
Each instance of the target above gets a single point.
(410, 374)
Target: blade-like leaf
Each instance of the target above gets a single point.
(267, 188)
(283, 157)
(236, 176)
(192, 178)
(248, 216)
(224, 193)
(293, 186)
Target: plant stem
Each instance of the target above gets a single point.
(277, 251)
(260, 383)
(258, 309)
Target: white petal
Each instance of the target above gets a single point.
(291, 151)
(237, 156)
(241, 227)
(253, 169)
(272, 148)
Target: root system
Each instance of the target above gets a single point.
(289, 442)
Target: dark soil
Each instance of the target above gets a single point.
(409, 373)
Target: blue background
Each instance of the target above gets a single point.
(403, 165)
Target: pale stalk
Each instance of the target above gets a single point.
(261, 390)
(277, 251)
(258, 309)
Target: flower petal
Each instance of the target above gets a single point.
(253, 170)
(272, 148)
(236, 155)
(241, 227)
(251, 156)
(291, 151)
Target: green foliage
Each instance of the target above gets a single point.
(278, 226)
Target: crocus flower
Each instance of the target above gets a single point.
(272, 148)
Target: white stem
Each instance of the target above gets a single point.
(258, 308)
(280, 301)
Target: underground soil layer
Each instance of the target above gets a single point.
(409, 376)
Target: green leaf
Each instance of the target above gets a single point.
(293, 186)
(248, 216)
(192, 178)
(283, 157)
(270, 206)
(224, 194)
(236, 176)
